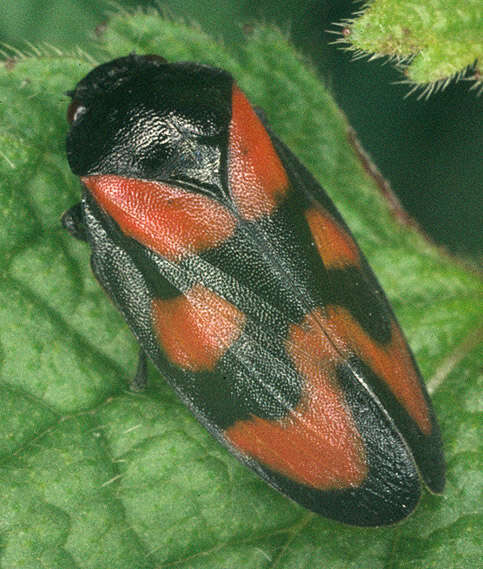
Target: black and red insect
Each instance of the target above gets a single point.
(245, 288)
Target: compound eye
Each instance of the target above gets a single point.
(74, 111)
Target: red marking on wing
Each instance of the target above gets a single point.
(318, 443)
(258, 181)
(197, 328)
(336, 247)
(392, 363)
(169, 220)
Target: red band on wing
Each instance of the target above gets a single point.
(258, 181)
(197, 328)
(317, 444)
(336, 247)
(392, 363)
(169, 220)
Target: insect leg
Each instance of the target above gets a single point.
(73, 221)
(140, 380)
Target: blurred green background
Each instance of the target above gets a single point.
(429, 150)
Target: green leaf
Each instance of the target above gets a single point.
(435, 40)
(94, 476)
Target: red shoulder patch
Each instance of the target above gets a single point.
(258, 181)
(169, 220)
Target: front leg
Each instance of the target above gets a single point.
(73, 221)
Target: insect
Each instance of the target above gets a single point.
(244, 286)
